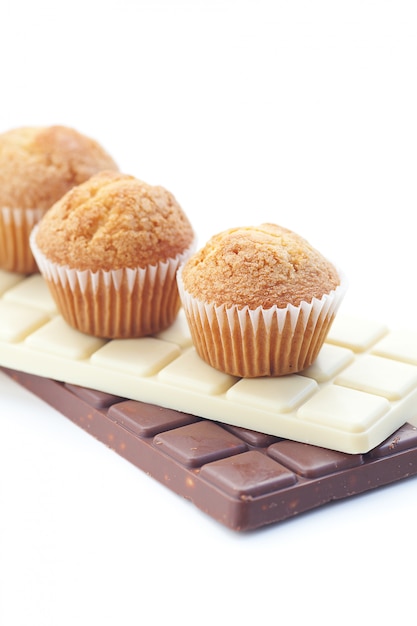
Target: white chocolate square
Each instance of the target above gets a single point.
(355, 333)
(340, 408)
(58, 338)
(380, 376)
(143, 357)
(32, 292)
(16, 321)
(398, 344)
(190, 371)
(330, 361)
(281, 394)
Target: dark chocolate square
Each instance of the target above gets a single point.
(199, 443)
(312, 461)
(147, 420)
(248, 474)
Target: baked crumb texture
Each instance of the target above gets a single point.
(109, 251)
(38, 165)
(259, 301)
(114, 221)
(263, 266)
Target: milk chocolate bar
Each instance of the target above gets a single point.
(242, 478)
(361, 388)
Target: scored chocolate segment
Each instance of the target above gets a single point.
(199, 443)
(249, 474)
(241, 478)
(312, 461)
(147, 420)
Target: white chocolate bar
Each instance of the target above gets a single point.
(361, 388)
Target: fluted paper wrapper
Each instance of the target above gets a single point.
(248, 342)
(15, 228)
(122, 303)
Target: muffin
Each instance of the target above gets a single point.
(38, 165)
(109, 251)
(259, 301)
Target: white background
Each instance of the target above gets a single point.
(302, 113)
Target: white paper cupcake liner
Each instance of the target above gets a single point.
(248, 342)
(122, 303)
(16, 225)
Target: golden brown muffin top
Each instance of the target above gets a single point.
(114, 221)
(263, 266)
(38, 165)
